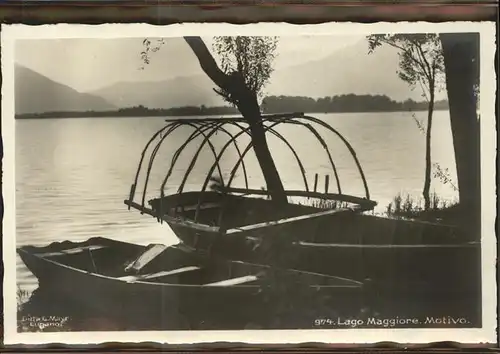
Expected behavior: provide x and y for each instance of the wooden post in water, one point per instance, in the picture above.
(327, 183)
(316, 182)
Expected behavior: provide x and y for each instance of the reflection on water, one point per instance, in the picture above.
(72, 175)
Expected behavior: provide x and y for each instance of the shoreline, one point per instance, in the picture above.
(116, 114)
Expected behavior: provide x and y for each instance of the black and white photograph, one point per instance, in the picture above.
(266, 183)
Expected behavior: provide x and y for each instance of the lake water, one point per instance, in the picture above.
(72, 175)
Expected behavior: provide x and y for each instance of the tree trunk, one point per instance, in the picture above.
(249, 108)
(461, 59)
(428, 166)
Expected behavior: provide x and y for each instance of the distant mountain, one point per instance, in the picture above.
(350, 70)
(35, 93)
(193, 90)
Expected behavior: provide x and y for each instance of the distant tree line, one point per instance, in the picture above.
(137, 111)
(270, 104)
(344, 103)
(178, 111)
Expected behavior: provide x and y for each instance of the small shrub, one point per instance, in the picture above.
(403, 207)
(409, 207)
(22, 296)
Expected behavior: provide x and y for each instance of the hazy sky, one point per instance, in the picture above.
(88, 64)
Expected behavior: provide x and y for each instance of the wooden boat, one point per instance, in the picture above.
(235, 217)
(158, 284)
(320, 231)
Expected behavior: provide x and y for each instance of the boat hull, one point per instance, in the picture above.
(391, 254)
(407, 268)
(142, 306)
(139, 305)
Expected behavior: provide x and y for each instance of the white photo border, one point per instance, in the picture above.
(486, 334)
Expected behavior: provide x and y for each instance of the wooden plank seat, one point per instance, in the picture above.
(151, 252)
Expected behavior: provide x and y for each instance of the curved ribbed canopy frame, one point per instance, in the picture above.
(208, 127)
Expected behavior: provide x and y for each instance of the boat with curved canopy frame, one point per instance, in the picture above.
(205, 217)
(333, 236)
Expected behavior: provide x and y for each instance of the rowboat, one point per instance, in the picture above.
(177, 287)
(235, 218)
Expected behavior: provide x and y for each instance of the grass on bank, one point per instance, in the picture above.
(407, 206)
(22, 296)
